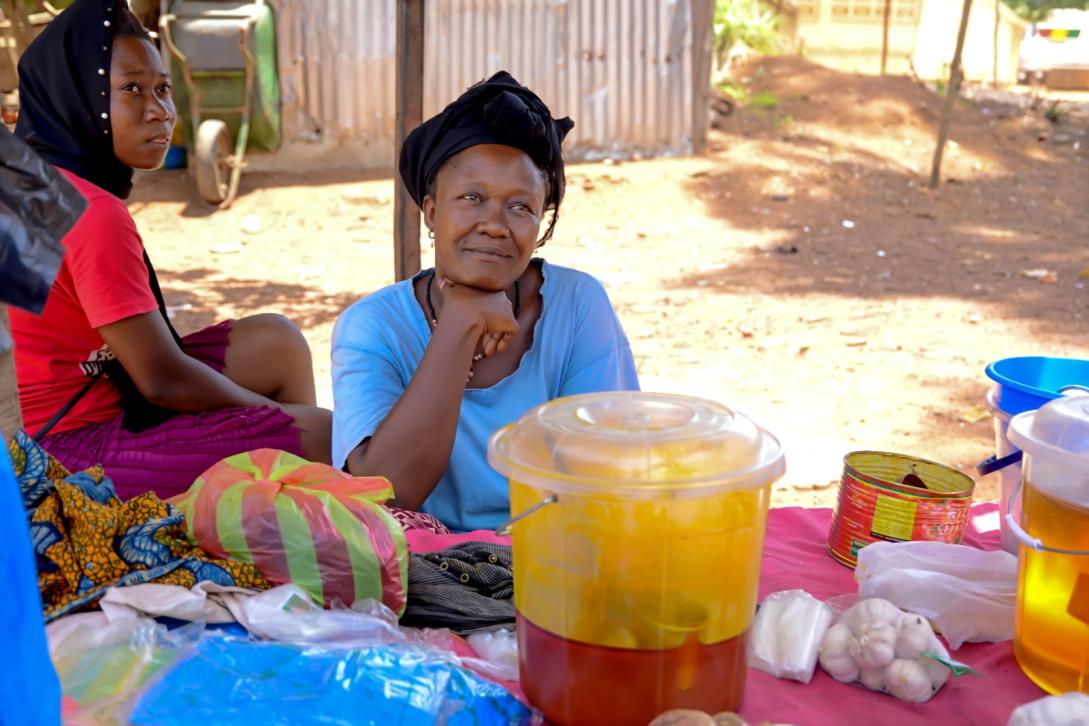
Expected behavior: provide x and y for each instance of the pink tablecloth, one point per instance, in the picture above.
(795, 558)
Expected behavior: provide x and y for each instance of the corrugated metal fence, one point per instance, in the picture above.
(633, 74)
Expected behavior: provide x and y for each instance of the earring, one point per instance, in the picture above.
(431, 234)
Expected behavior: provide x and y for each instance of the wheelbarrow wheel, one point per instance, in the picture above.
(213, 170)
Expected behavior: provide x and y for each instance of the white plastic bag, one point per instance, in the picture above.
(968, 594)
(786, 634)
(1069, 709)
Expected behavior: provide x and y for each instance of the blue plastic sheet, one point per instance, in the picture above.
(29, 690)
(227, 680)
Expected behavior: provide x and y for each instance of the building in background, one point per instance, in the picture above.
(633, 74)
(1056, 52)
(847, 35)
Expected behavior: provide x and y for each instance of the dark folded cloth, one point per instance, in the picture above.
(467, 587)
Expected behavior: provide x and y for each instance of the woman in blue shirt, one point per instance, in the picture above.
(426, 370)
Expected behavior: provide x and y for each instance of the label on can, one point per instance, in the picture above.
(856, 545)
(893, 519)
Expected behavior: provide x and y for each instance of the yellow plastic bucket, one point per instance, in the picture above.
(1051, 634)
(639, 527)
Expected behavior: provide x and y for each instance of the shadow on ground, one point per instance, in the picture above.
(208, 293)
(854, 220)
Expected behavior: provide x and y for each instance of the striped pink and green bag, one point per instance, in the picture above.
(300, 522)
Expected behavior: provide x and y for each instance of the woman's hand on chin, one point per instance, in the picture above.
(488, 312)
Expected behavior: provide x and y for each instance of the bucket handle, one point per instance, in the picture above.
(1025, 538)
(992, 463)
(504, 529)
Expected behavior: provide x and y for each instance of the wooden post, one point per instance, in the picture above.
(885, 37)
(703, 50)
(951, 92)
(410, 70)
(11, 419)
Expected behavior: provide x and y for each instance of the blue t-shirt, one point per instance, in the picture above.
(578, 347)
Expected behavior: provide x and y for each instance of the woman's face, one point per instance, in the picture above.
(142, 113)
(486, 215)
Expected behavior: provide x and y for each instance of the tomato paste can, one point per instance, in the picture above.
(897, 498)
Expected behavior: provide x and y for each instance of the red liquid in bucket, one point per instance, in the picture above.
(575, 683)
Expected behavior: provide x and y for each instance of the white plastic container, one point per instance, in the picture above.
(1009, 476)
(1051, 640)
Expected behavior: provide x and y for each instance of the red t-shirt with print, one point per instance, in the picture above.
(102, 280)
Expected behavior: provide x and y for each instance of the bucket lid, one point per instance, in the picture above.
(1059, 431)
(1027, 382)
(635, 442)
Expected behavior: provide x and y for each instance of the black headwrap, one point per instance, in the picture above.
(64, 95)
(64, 106)
(499, 110)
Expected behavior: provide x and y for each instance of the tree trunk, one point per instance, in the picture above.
(18, 24)
(951, 92)
(885, 37)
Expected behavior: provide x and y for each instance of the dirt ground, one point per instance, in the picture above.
(799, 270)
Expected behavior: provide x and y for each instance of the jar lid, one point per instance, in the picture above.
(1058, 430)
(635, 441)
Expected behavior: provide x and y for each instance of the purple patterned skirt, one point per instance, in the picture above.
(167, 459)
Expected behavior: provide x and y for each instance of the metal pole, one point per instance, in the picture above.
(885, 37)
(410, 70)
(951, 92)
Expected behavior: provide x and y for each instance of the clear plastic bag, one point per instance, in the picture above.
(969, 595)
(787, 633)
(328, 666)
(499, 648)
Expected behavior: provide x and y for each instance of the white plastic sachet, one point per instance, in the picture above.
(787, 633)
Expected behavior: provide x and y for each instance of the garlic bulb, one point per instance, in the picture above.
(873, 610)
(877, 644)
(908, 681)
(1069, 709)
(834, 654)
(873, 678)
(914, 637)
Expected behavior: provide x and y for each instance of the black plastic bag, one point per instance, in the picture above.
(38, 206)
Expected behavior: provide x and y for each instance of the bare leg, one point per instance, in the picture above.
(315, 429)
(268, 354)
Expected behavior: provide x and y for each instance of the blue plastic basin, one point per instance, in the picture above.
(1028, 382)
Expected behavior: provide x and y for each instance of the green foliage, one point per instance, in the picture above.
(751, 22)
(764, 99)
(734, 90)
(1055, 113)
(1037, 10)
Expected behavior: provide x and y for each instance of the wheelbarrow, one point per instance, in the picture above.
(229, 97)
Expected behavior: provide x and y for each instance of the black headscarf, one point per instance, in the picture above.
(499, 110)
(64, 95)
(64, 106)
